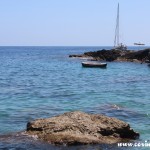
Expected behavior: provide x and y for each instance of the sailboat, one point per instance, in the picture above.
(117, 44)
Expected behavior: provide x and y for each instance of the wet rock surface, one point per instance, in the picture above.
(116, 55)
(23, 142)
(75, 128)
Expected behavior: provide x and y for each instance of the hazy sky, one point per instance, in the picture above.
(73, 22)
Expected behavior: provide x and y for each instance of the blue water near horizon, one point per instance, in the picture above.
(41, 82)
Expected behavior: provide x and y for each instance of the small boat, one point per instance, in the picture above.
(94, 64)
(147, 61)
(139, 43)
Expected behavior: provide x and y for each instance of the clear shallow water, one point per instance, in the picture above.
(40, 82)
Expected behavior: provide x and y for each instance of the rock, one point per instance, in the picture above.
(107, 55)
(81, 128)
(137, 55)
(75, 55)
(117, 55)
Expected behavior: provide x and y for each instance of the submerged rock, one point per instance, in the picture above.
(81, 128)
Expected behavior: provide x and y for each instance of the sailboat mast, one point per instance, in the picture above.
(118, 25)
(116, 41)
(117, 44)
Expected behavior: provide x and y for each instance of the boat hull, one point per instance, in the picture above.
(147, 61)
(94, 65)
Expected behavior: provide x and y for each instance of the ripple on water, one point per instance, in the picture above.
(39, 82)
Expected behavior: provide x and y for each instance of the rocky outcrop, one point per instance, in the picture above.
(139, 55)
(77, 55)
(81, 128)
(117, 55)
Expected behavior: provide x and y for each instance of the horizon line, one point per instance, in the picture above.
(68, 46)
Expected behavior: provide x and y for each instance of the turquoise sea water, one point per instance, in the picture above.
(40, 82)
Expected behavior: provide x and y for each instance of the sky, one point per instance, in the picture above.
(73, 22)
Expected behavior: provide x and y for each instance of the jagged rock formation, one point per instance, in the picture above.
(117, 55)
(81, 128)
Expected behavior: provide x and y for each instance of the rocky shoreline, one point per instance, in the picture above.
(75, 128)
(116, 55)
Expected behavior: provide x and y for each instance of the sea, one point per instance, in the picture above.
(41, 82)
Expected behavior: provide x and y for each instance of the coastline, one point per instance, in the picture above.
(115, 55)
